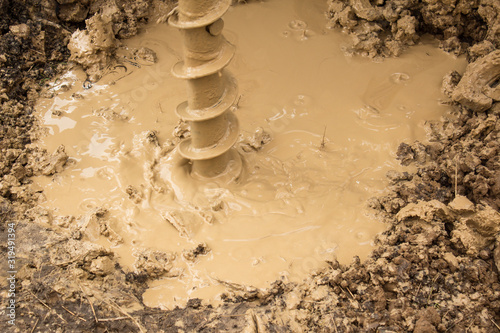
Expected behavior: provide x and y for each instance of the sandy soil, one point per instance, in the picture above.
(434, 270)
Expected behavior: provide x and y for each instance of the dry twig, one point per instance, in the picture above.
(323, 143)
(113, 319)
(48, 307)
(37, 320)
(39, 300)
(54, 25)
(334, 325)
(432, 287)
(454, 323)
(237, 104)
(349, 290)
(73, 313)
(88, 300)
(116, 306)
(494, 323)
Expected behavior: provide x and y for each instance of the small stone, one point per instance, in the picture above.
(102, 266)
(64, 221)
(154, 264)
(320, 293)
(146, 54)
(134, 194)
(423, 326)
(260, 138)
(480, 50)
(425, 210)
(395, 176)
(20, 30)
(428, 318)
(450, 82)
(474, 90)
(18, 171)
(55, 162)
(451, 260)
(292, 301)
(192, 254)
(461, 205)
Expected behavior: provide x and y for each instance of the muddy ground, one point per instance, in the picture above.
(436, 268)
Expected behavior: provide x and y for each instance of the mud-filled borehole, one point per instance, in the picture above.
(334, 124)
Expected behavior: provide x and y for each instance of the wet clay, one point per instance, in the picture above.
(319, 131)
(387, 28)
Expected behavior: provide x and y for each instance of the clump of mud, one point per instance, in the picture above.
(387, 28)
(434, 270)
(94, 48)
(462, 156)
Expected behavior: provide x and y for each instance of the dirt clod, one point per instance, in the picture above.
(477, 89)
(387, 28)
(154, 264)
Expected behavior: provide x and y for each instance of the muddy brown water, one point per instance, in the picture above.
(335, 124)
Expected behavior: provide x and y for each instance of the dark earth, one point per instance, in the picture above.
(436, 268)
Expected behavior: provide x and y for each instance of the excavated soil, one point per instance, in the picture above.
(434, 270)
